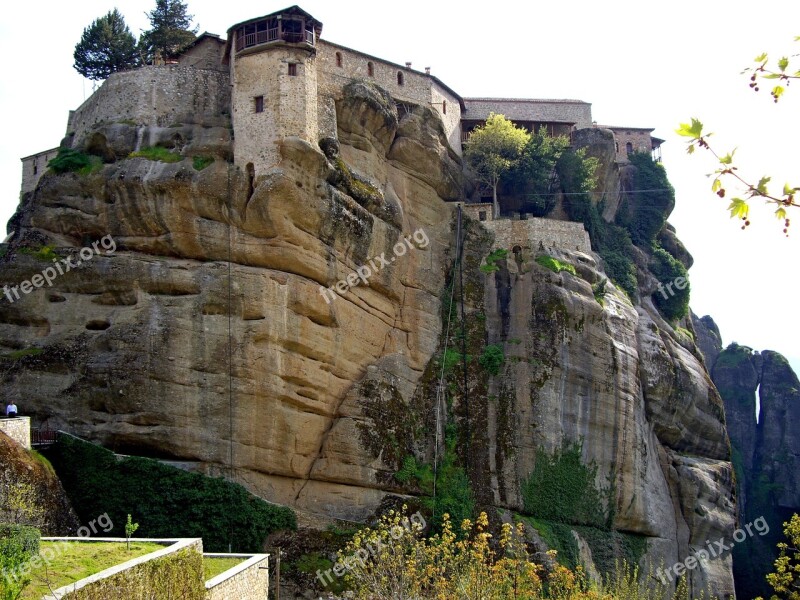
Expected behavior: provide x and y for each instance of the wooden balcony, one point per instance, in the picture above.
(247, 37)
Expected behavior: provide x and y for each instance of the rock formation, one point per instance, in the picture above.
(204, 336)
(762, 400)
(30, 492)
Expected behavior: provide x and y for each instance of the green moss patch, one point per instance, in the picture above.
(201, 162)
(157, 153)
(73, 161)
(555, 265)
(562, 488)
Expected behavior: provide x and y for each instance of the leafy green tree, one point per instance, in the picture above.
(171, 30)
(535, 171)
(780, 73)
(494, 149)
(106, 46)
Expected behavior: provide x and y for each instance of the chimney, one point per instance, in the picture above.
(408, 65)
(427, 70)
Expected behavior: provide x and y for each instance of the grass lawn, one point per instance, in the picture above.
(76, 560)
(214, 566)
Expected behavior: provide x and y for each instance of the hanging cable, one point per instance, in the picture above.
(440, 385)
(230, 356)
(463, 334)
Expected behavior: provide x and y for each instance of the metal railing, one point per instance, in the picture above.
(43, 437)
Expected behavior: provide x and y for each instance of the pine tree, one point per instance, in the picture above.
(106, 46)
(171, 30)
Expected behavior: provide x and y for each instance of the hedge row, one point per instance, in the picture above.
(165, 501)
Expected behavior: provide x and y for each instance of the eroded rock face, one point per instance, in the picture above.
(209, 335)
(31, 494)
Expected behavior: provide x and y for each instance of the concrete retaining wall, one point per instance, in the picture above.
(18, 429)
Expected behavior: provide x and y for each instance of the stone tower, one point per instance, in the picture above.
(272, 62)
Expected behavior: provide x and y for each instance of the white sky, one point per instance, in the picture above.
(642, 64)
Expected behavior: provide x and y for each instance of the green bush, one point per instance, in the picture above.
(158, 153)
(645, 213)
(558, 537)
(673, 303)
(612, 242)
(555, 265)
(68, 160)
(201, 162)
(453, 491)
(24, 537)
(167, 502)
(492, 359)
(562, 488)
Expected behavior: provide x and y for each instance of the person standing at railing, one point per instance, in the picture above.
(11, 409)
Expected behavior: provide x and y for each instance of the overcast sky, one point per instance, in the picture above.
(642, 64)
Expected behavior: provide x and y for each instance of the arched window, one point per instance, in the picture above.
(399, 78)
(370, 69)
(628, 148)
(339, 59)
(444, 107)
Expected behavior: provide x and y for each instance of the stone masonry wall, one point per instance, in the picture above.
(418, 88)
(564, 235)
(518, 109)
(640, 141)
(205, 54)
(246, 581)
(34, 166)
(18, 429)
(290, 103)
(157, 96)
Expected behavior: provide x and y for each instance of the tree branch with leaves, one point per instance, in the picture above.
(727, 172)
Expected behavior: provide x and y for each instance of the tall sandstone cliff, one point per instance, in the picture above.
(761, 393)
(204, 336)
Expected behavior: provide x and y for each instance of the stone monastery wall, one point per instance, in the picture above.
(417, 88)
(564, 235)
(157, 96)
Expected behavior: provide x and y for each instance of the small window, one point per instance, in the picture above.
(628, 148)
(444, 107)
(370, 69)
(292, 69)
(35, 168)
(259, 102)
(399, 78)
(482, 215)
(339, 59)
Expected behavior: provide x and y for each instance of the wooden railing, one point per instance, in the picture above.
(249, 40)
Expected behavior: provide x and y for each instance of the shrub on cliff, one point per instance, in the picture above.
(167, 502)
(670, 300)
